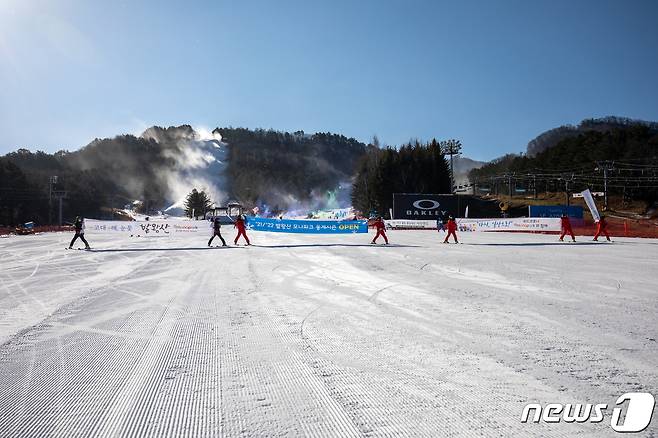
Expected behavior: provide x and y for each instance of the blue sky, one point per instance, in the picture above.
(492, 73)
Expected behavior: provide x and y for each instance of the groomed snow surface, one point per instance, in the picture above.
(310, 335)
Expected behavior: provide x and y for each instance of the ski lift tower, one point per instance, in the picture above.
(451, 147)
(57, 194)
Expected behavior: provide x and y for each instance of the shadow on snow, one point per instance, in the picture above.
(347, 245)
(305, 245)
(162, 249)
(537, 244)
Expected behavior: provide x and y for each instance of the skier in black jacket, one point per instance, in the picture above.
(216, 232)
(79, 232)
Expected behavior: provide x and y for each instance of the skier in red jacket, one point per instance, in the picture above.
(452, 229)
(566, 228)
(602, 228)
(240, 225)
(381, 230)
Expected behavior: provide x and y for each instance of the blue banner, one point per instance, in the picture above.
(306, 226)
(574, 211)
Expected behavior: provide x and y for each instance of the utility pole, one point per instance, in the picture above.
(368, 195)
(509, 185)
(605, 188)
(566, 190)
(605, 166)
(534, 186)
(51, 183)
(60, 209)
(60, 195)
(451, 147)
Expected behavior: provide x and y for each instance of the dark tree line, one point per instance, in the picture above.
(636, 144)
(414, 168)
(264, 167)
(105, 174)
(552, 137)
(273, 168)
(25, 191)
(18, 197)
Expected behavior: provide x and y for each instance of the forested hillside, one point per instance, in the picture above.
(628, 155)
(280, 171)
(163, 164)
(552, 137)
(413, 168)
(284, 170)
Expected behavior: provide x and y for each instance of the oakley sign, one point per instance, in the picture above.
(429, 206)
(433, 204)
(415, 206)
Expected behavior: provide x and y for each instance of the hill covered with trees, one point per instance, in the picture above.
(287, 170)
(282, 171)
(552, 137)
(413, 168)
(161, 166)
(625, 156)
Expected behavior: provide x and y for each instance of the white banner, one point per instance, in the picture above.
(465, 224)
(408, 224)
(159, 228)
(589, 200)
(511, 224)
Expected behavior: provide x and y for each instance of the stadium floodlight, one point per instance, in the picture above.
(451, 147)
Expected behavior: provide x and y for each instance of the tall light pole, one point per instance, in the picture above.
(451, 147)
(566, 189)
(52, 181)
(605, 166)
(59, 195)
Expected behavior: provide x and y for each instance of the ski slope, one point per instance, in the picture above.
(309, 335)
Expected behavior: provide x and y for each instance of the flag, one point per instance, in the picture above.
(589, 200)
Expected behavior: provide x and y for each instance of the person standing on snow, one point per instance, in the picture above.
(566, 228)
(79, 232)
(381, 230)
(216, 226)
(439, 225)
(240, 225)
(602, 228)
(452, 230)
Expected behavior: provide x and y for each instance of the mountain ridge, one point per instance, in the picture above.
(552, 137)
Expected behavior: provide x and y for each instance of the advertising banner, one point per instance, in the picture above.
(589, 200)
(159, 228)
(418, 206)
(573, 211)
(307, 226)
(421, 206)
(408, 224)
(513, 224)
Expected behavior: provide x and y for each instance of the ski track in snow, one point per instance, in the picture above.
(413, 339)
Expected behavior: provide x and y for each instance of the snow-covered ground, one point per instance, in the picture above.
(321, 335)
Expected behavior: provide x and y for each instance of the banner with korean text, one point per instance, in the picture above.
(306, 226)
(511, 224)
(155, 228)
(408, 224)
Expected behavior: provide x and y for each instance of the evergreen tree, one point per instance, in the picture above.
(414, 168)
(197, 203)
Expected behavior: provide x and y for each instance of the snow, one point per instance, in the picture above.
(321, 335)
